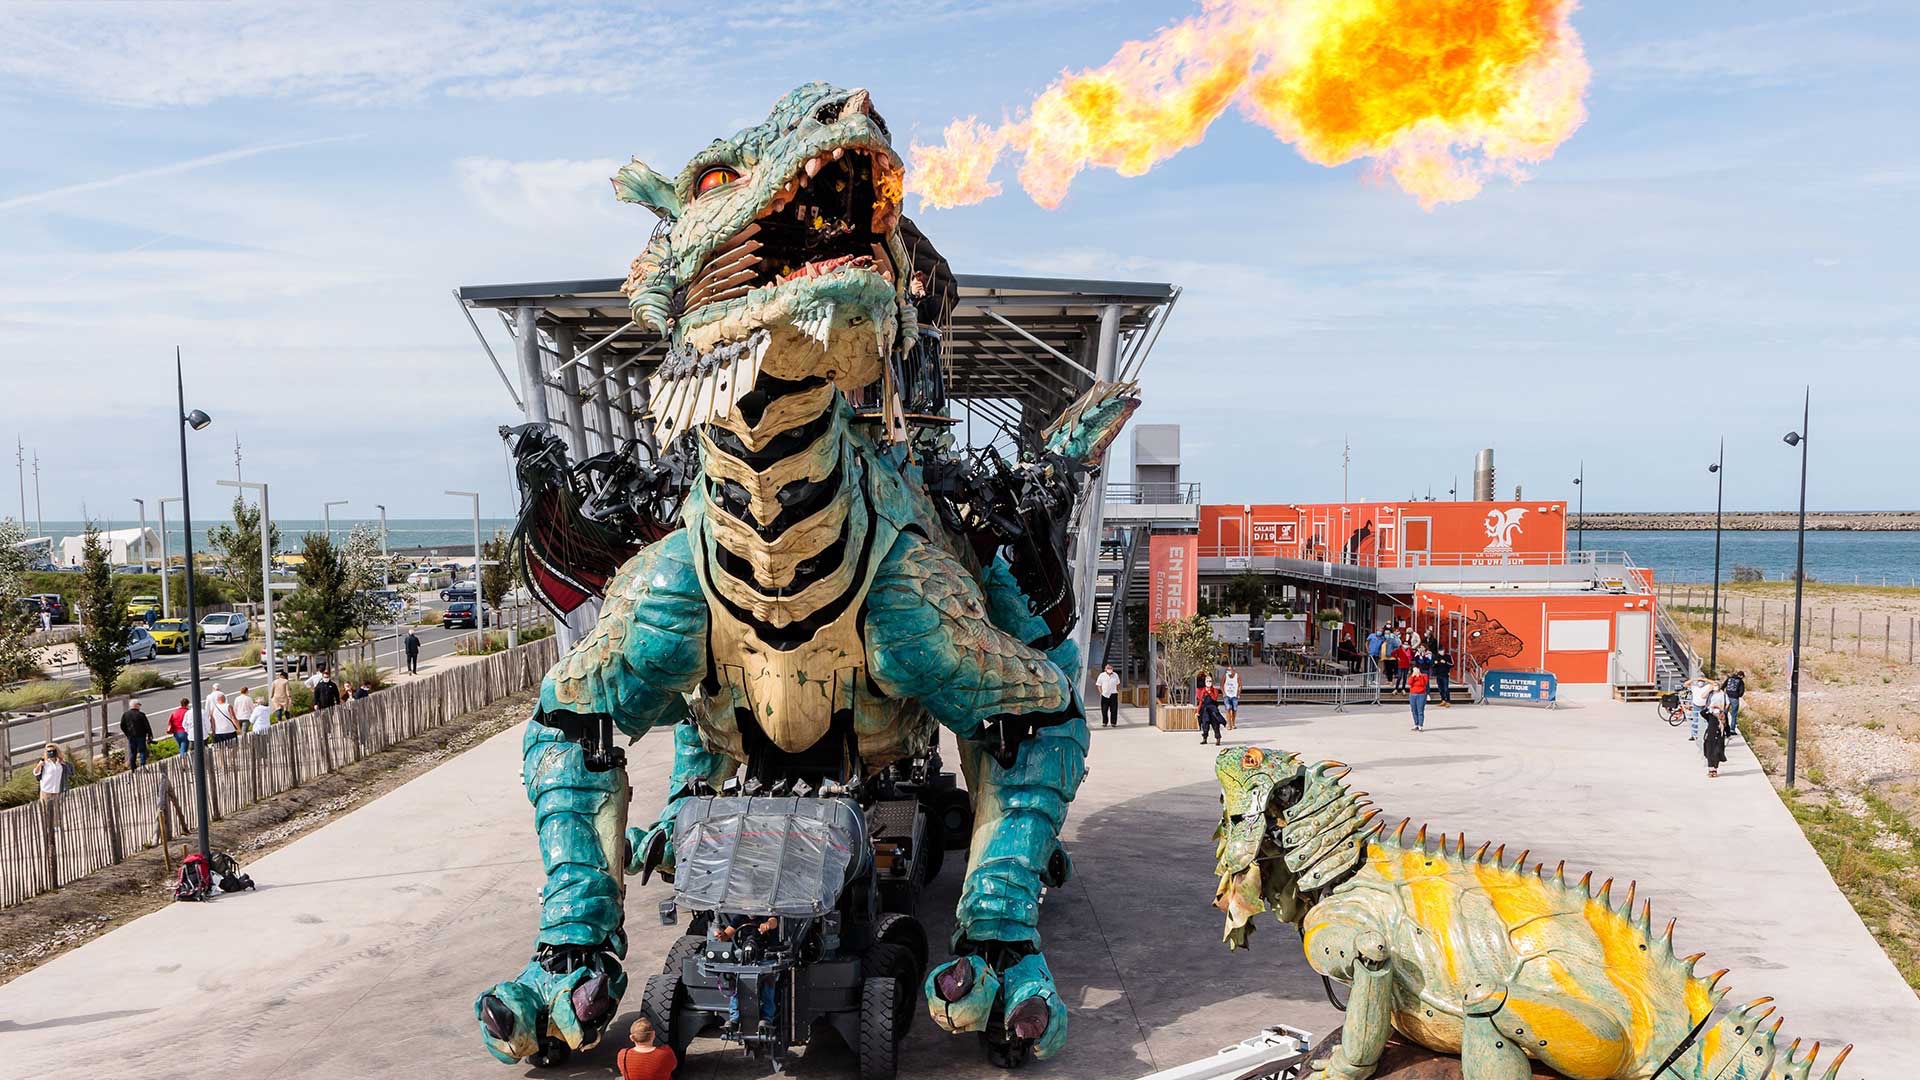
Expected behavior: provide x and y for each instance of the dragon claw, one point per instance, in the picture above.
(965, 993)
(961, 994)
(548, 1013)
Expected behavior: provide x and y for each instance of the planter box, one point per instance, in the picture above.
(1179, 718)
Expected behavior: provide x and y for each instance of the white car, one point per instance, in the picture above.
(225, 626)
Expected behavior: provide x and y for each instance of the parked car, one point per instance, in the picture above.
(54, 605)
(290, 662)
(225, 626)
(31, 609)
(461, 591)
(140, 645)
(170, 635)
(459, 615)
(142, 607)
(426, 577)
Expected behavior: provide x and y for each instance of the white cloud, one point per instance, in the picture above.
(195, 53)
(542, 194)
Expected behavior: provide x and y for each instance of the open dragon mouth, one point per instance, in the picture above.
(834, 214)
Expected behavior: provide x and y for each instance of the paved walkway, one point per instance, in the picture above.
(362, 952)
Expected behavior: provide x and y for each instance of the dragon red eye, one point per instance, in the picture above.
(713, 178)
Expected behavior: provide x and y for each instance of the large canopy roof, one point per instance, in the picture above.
(1028, 343)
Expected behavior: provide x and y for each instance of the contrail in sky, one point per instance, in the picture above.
(175, 168)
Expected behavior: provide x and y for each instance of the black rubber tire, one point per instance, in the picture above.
(684, 948)
(904, 930)
(879, 1049)
(660, 1004)
(932, 854)
(955, 810)
(896, 962)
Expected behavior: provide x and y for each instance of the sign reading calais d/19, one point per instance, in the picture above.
(1173, 579)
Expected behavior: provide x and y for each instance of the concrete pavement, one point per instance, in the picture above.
(362, 952)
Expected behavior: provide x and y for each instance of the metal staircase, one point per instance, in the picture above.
(1122, 576)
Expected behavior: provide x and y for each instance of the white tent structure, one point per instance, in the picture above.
(123, 547)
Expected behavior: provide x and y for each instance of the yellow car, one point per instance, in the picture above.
(139, 607)
(170, 635)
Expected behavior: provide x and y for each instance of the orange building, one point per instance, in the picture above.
(1388, 533)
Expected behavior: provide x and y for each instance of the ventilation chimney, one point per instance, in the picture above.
(1483, 475)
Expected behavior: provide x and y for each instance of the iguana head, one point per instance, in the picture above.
(1286, 829)
(780, 245)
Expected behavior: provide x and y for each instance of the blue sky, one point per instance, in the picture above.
(290, 193)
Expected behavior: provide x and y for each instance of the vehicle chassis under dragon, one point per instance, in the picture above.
(808, 580)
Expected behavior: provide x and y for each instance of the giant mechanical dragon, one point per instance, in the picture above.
(801, 574)
(1467, 953)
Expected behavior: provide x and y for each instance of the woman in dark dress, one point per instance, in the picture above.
(1207, 702)
(1714, 743)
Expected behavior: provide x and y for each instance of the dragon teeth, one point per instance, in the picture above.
(813, 167)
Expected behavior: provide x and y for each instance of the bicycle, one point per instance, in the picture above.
(1671, 709)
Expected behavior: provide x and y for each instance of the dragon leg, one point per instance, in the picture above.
(1369, 1021)
(1023, 745)
(630, 672)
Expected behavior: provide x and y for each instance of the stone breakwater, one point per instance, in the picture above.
(1826, 520)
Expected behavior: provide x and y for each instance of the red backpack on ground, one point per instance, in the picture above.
(196, 878)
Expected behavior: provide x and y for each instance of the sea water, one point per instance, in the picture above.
(1871, 558)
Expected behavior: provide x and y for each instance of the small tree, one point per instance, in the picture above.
(18, 660)
(239, 547)
(496, 576)
(320, 613)
(1247, 591)
(103, 643)
(1187, 650)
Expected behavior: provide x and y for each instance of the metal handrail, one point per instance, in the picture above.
(1183, 492)
(1675, 639)
(1392, 560)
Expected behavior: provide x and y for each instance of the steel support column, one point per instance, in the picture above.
(570, 392)
(602, 412)
(533, 379)
(1092, 515)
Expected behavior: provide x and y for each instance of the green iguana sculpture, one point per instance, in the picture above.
(817, 615)
(1468, 953)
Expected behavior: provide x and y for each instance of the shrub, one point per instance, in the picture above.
(134, 680)
(494, 641)
(355, 672)
(428, 617)
(543, 629)
(249, 657)
(38, 694)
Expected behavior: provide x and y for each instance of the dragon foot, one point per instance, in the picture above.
(561, 1002)
(1017, 1011)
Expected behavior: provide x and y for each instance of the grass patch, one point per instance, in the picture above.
(1873, 854)
(249, 657)
(39, 694)
(428, 617)
(134, 680)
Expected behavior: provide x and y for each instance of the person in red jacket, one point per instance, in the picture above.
(1417, 698)
(177, 726)
(1403, 663)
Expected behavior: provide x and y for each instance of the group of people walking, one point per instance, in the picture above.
(223, 718)
(1396, 653)
(1716, 708)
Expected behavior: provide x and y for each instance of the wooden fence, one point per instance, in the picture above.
(1882, 634)
(47, 844)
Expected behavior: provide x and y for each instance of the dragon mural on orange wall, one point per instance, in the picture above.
(1487, 639)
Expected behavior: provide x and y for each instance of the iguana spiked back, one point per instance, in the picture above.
(1473, 952)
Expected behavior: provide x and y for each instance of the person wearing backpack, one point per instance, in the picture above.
(1735, 688)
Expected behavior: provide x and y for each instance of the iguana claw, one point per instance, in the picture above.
(651, 849)
(542, 1009)
(962, 995)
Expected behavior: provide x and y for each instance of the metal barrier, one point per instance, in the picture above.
(1183, 492)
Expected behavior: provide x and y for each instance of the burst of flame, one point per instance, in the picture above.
(1440, 95)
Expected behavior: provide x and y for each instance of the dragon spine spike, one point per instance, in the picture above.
(1481, 855)
(1586, 882)
(1627, 904)
(1421, 837)
(1645, 922)
(1521, 860)
(1560, 873)
(1605, 893)
(1500, 856)
(1667, 934)
(1463, 843)
(1833, 1070)
(1692, 960)
(1400, 834)
(1713, 980)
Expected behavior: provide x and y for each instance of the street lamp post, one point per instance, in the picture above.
(1719, 502)
(266, 567)
(1580, 487)
(142, 504)
(202, 729)
(1799, 439)
(479, 604)
(386, 561)
(166, 560)
(326, 511)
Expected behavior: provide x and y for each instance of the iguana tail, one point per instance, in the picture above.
(1741, 1047)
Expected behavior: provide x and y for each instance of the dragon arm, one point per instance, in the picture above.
(1369, 1020)
(631, 672)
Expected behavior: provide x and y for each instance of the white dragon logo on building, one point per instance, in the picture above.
(1501, 525)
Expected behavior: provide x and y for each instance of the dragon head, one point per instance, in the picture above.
(780, 241)
(1286, 829)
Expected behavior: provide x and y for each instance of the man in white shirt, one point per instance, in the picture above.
(1108, 683)
(1717, 706)
(1230, 692)
(220, 714)
(1699, 694)
(242, 707)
